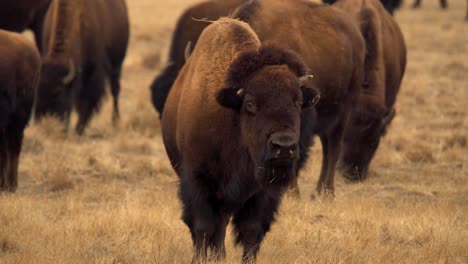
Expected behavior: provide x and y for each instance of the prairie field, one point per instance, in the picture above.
(111, 195)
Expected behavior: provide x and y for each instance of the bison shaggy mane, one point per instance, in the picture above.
(249, 62)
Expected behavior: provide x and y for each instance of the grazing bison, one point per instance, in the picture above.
(231, 128)
(390, 5)
(332, 47)
(187, 31)
(443, 4)
(385, 64)
(18, 15)
(85, 41)
(19, 75)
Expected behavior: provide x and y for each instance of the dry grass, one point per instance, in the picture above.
(110, 197)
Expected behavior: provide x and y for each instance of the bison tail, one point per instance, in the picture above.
(161, 86)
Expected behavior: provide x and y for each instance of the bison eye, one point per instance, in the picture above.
(300, 103)
(250, 107)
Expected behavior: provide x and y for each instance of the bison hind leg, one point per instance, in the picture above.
(115, 90)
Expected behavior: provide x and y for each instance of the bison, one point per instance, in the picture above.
(19, 76)
(85, 41)
(385, 64)
(390, 5)
(443, 4)
(333, 48)
(18, 15)
(187, 31)
(231, 128)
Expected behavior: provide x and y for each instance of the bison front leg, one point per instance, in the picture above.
(305, 142)
(89, 96)
(417, 3)
(466, 16)
(207, 226)
(252, 222)
(4, 161)
(331, 147)
(443, 4)
(15, 139)
(208, 233)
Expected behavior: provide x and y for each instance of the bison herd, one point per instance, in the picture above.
(240, 100)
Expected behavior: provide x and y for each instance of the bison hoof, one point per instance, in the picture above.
(323, 196)
(293, 193)
(354, 174)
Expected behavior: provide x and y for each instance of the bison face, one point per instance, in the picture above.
(361, 140)
(53, 98)
(269, 107)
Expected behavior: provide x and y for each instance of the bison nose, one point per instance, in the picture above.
(283, 146)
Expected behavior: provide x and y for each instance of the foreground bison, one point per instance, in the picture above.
(331, 45)
(19, 75)
(385, 65)
(231, 128)
(85, 41)
(187, 31)
(18, 15)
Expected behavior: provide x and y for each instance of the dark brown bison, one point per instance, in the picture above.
(390, 5)
(85, 41)
(19, 75)
(231, 128)
(443, 4)
(385, 65)
(18, 15)
(333, 48)
(185, 37)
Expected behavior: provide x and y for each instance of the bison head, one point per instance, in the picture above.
(53, 96)
(268, 89)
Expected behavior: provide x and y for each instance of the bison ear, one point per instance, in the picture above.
(230, 98)
(309, 93)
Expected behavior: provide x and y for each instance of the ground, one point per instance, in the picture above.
(111, 195)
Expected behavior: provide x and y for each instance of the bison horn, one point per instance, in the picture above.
(71, 73)
(240, 92)
(188, 50)
(305, 81)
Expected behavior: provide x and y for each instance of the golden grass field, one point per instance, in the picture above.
(111, 196)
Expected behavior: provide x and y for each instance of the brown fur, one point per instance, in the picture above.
(231, 130)
(188, 29)
(90, 37)
(384, 69)
(19, 74)
(332, 47)
(18, 15)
